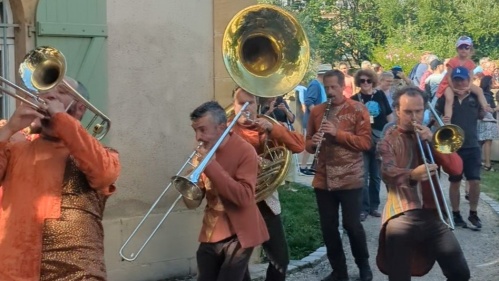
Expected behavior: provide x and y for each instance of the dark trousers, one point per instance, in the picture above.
(276, 248)
(223, 261)
(328, 203)
(418, 229)
(372, 181)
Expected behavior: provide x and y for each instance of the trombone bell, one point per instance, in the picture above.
(187, 186)
(42, 69)
(448, 139)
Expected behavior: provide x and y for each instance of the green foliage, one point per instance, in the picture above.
(355, 30)
(393, 53)
(300, 219)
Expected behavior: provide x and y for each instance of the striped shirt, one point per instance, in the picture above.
(399, 155)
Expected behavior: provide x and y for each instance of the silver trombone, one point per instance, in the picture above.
(43, 69)
(446, 139)
(186, 184)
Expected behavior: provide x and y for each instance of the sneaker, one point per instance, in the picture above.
(363, 216)
(475, 221)
(334, 276)
(459, 222)
(365, 272)
(306, 172)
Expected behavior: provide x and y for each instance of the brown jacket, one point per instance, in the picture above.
(233, 177)
(340, 163)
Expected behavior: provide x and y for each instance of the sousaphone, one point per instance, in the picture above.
(273, 164)
(266, 52)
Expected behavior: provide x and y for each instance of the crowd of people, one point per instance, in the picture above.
(398, 107)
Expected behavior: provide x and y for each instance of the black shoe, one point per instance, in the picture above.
(306, 172)
(365, 273)
(375, 213)
(458, 221)
(335, 276)
(363, 216)
(475, 221)
(467, 196)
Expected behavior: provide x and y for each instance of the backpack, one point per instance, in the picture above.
(412, 74)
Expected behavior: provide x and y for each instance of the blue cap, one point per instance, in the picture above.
(397, 68)
(460, 72)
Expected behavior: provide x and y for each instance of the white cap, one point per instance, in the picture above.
(464, 40)
(323, 68)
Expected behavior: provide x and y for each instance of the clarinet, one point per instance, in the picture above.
(318, 147)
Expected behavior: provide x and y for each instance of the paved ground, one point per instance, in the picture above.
(481, 248)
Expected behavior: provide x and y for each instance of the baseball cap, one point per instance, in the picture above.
(460, 72)
(397, 68)
(435, 63)
(323, 68)
(464, 40)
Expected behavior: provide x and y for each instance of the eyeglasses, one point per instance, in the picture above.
(368, 81)
(464, 47)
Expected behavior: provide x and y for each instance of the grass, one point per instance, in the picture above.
(301, 219)
(490, 184)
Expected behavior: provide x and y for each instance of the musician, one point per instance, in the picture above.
(55, 189)
(256, 131)
(470, 111)
(339, 177)
(232, 225)
(413, 237)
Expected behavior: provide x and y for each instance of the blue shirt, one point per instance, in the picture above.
(315, 94)
(301, 93)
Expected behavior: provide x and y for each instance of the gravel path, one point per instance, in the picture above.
(481, 249)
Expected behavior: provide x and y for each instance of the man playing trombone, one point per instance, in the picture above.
(257, 132)
(232, 225)
(55, 189)
(413, 236)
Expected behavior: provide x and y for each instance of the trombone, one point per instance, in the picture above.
(43, 69)
(266, 52)
(186, 185)
(446, 139)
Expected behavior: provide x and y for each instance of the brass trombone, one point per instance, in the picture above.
(43, 69)
(186, 185)
(446, 139)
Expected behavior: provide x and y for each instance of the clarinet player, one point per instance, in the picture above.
(342, 127)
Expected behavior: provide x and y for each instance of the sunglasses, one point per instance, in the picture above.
(368, 81)
(464, 47)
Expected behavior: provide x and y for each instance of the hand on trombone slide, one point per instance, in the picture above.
(419, 173)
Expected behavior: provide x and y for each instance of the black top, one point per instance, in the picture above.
(277, 114)
(465, 114)
(378, 106)
(489, 96)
